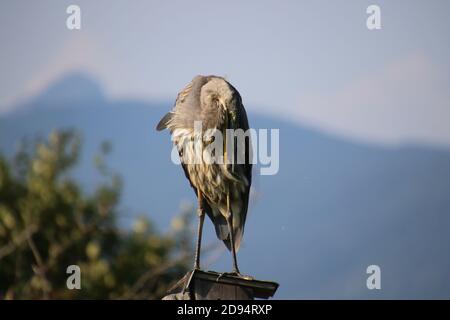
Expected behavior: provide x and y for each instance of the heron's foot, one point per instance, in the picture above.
(240, 275)
(234, 274)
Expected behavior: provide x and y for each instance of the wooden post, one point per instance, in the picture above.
(210, 285)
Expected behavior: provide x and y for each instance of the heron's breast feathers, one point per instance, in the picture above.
(214, 180)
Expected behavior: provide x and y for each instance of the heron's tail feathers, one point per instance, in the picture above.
(237, 240)
(219, 223)
(222, 232)
(238, 233)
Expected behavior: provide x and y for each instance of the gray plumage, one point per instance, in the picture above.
(218, 105)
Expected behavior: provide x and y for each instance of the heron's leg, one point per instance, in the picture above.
(229, 219)
(201, 216)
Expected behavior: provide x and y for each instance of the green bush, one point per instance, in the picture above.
(48, 222)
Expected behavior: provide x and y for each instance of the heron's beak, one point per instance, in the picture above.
(224, 105)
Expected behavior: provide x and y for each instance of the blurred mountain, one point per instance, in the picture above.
(334, 208)
(72, 90)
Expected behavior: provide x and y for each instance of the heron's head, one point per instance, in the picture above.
(218, 96)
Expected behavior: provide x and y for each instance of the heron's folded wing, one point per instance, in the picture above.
(164, 121)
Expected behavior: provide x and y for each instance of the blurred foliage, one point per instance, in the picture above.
(48, 222)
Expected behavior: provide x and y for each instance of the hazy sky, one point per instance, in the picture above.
(313, 62)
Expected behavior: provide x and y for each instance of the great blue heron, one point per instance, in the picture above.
(222, 189)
